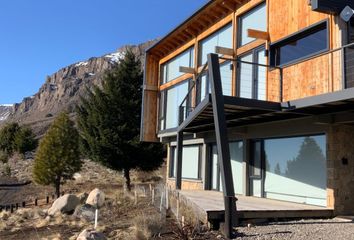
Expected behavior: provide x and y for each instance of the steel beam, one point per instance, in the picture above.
(179, 150)
(222, 144)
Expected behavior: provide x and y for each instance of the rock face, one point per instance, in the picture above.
(96, 198)
(89, 234)
(62, 90)
(5, 111)
(64, 204)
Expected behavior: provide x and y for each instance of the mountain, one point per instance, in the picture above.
(5, 111)
(61, 91)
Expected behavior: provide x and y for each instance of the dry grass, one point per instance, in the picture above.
(148, 226)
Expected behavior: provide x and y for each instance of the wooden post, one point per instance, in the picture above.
(135, 197)
(153, 196)
(35, 202)
(167, 205)
(47, 199)
(23, 204)
(16, 206)
(12, 208)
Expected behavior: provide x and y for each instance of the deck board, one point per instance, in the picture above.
(252, 207)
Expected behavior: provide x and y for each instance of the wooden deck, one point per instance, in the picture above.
(209, 206)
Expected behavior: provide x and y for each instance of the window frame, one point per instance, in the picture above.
(297, 36)
(172, 162)
(211, 35)
(254, 52)
(239, 24)
(164, 105)
(164, 73)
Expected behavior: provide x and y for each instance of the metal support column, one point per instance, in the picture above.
(179, 150)
(222, 144)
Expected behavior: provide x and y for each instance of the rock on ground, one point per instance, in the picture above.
(64, 204)
(83, 197)
(86, 212)
(96, 198)
(89, 234)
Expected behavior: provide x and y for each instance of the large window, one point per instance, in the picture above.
(296, 169)
(301, 45)
(222, 38)
(254, 19)
(170, 100)
(226, 82)
(252, 77)
(190, 162)
(170, 70)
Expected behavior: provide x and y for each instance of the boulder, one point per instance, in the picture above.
(64, 204)
(96, 198)
(86, 212)
(83, 197)
(89, 234)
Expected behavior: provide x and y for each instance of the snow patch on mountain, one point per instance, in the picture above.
(115, 57)
(81, 64)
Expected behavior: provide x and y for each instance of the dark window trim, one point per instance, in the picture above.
(172, 161)
(252, 52)
(296, 36)
(239, 24)
(211, 35)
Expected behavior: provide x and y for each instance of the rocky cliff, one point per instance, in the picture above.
(5, 111)
(62, 90)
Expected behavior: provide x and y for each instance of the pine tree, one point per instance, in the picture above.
(58, 156)
(7, 137)
(25, 140)
(109, 121)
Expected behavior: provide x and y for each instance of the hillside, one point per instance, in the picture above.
(61, 91)
(5, 111)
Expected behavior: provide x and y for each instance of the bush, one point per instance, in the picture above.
(6, 171)
(4, 156)
(7, 137)
(146, 227)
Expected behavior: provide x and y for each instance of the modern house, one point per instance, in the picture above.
(272, 78)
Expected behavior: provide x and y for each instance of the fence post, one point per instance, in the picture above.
(16, 206)
(135, 197)
(167, 205)
(35, 202)
(23, 204)
(153, 196)
(47, 199)
(12, 208)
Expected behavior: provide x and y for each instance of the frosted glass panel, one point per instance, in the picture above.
(171, 69)
(226, 78)
(246, 77)
(222, 38)
(175, 97)
(261, 77)
(296, 169)
(255, 19)
(190, 162)
(236, 156)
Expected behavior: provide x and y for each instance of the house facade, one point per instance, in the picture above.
(286, 72)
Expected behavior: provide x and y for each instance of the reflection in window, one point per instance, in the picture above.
(204, 87)
(296, 169)
(246, 77)
(170, 70)
(255, 19)
(190, 162)
(302, 45)
(174, 97)
(222, 38)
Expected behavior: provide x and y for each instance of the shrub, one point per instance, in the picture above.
(146, 227)
(6, 171)
(7, 137)
(4, 156)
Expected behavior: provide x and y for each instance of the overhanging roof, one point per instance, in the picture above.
(242, 112)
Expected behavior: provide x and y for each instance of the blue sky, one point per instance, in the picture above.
(38, 37)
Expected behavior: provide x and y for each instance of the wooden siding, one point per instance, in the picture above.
(307, 78)
(150, 100)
